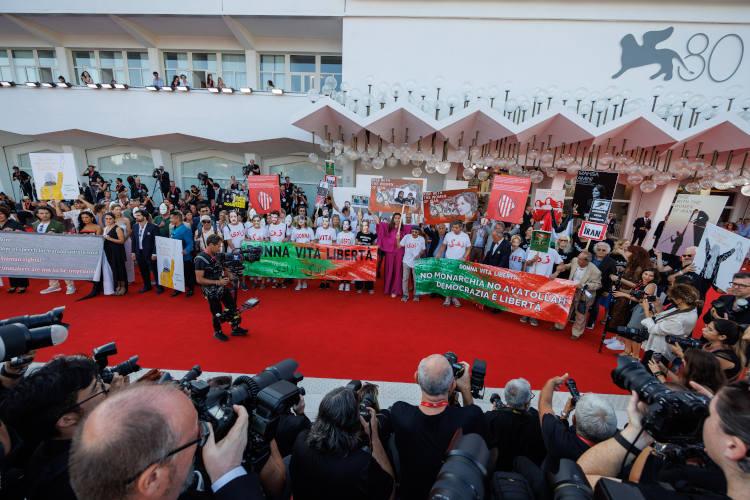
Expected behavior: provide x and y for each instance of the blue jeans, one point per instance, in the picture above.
(605, 300)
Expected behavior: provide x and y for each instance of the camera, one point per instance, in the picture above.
(639, 294)
(266, 396)
(184, 382)
(464, 471)
(21, 334)
(101, 355)
(478, 372)
(573, 389)
(671, 416)
(234, 261)
(156, 174)
(634, 334)
(496, 401)
(203, 177)
(368, 400)
(684, 342)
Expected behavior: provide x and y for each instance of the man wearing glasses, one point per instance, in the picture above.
(46, 408)
(687, 275)
(735, 305)
(142, 444)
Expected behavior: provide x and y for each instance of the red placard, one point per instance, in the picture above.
(508, 198)
(264, 193)
(592, 231)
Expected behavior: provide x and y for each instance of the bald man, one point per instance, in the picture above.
(140, 444)
(424, 432)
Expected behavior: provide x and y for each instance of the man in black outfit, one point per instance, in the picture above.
(164, 183)
(641, 227)
(24, 180)
(144, 249)
(607, 267)
(46, 407)
(210, 275)
(514, 429)
(173, 194)
(498, 254)
(735, 305)
(92, 174)
(424, 432)
(659, 229)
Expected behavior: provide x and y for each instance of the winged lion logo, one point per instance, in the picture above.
(635, 56)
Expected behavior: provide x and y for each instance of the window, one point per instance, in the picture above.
(219, 169)
(197, 66)
(303, 174)
(125, 164)
(233, 70)
(106, 66)
(298, 72)
(28, 65)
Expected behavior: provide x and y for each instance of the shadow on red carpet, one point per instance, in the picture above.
(330, 333)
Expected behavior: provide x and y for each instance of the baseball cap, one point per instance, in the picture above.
(205, 218)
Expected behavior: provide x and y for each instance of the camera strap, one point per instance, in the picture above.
(673, 312)
(430, 404)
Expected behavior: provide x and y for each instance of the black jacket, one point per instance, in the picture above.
(500, 257)
(607, 267)
(641, 223)
(149, 240)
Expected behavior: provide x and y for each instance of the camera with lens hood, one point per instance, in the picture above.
(684, 342)
(477, 373)
(635, 334)
(21, 334)
(101, 355)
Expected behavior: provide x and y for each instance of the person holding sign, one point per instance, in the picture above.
(414, 248)
(389, 234)
(541, 263)
(46, 224)
(456, 245)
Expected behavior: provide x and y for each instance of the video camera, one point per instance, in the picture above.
(266, 396)
(635, 334)
(464, 472)
(478, 372)
(156, 174)
(101, 355)
(234, 261)
(672, 416)
(21, 334)
(203, 177)
(684, 342)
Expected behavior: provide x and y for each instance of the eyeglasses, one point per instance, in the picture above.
(104, 390)
(203, 433)
(738, 285)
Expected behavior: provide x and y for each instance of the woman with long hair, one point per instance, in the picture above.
(114, 249)
(302, 234)
(210, 81)
(389, 234)
(699, 366)
(645, 287)
(678, 320)
(87, 225)
(7, 224)
(175, 82)
(365, 237)
(86, 78)
(127, 229)
(722, 336)
(638, 261)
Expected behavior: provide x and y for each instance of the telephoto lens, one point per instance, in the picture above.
(464, 473)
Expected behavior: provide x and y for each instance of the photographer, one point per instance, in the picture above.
(644, 288)
(698, 366)
(514, 429)
(328, 462)
(734, 305)
(24, 180)
(210, 275)
(142, 443)
(721, 337)
(422, 433)
(45, 408)
(594, 421)
(162, 177)
(679, 320)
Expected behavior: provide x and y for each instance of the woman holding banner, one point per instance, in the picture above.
(389, 234)
(365, 237)
(7, 224)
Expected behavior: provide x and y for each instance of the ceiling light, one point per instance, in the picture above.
(246, 90)
(107, 86)
(165, 89)
(93, 85)
(7, 84)
(183, 88)
(121, 86)
(152, 88)
(213, 90)
(32, 84)
(64, 85)
(48, 85)
(276, 91)
(227, 90)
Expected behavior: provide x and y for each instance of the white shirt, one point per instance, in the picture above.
(304, 235)
(456, 245)
(235, 234)
(346, 238)
(325, 236)
(578, 275)
(517, 258)
(277, 232)
(253, 234)
(546, 265)
(42, 227)
(412, 248)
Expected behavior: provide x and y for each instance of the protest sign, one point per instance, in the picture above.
(592, 231)
(548, 203)
(236, 201)
(264, 193)
(360, 201)
(447, 206)
(515, 291)
(720, 255)
(687, 221)
(508, 198)
(540, 241)
(592, 198)
(313, 261)
(391, 195)
(55, 176)
(321, 194)
(52, 256)
(169, 263)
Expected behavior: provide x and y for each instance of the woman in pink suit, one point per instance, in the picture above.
(389, 234)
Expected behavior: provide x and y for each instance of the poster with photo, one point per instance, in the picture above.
(593, 194)
(264, 193)
(548, 203)
(447, 206)
(169, 263)
(690, 215)
(391, 195)
(508, 198)
(360, 201)
(540, 241)
(54, 175)
(720, 255)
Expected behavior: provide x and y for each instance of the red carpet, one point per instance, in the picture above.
(330, 333)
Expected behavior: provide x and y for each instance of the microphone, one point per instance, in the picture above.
(17, 339)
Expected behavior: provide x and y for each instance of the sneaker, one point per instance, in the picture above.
(404, 299)
(359, 291)
(372, 292)
(51, 289)
(447, 302)
(220, 336)
(456, 302)
(341, 287)
(304, 284)
(616, 346)
(347, 287)
(298, 287)
(70, 291)
(523, 319)
(610, 340)
(416, 299)
(533, 322)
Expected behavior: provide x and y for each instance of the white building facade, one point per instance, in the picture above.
(424, 87)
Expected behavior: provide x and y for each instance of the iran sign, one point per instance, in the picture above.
(592, 231)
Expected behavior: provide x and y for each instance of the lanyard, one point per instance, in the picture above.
(430, 404)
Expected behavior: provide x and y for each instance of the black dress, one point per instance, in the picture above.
(12, 225)
(115, 253)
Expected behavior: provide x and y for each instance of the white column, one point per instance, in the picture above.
(251, 67)
(155, 61)
(558, 181)
(81, 161)
(64, 65)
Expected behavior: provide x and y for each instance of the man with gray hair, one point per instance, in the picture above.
(514, 429)
(424, 432)
(594, 421)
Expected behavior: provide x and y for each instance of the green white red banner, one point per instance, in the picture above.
(521, 293)
(313, 261)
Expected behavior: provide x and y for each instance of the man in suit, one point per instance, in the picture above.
(46, 224)
(144, 250)
(498, 254)
(641, 227)
(588, 280)
(159, 466)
